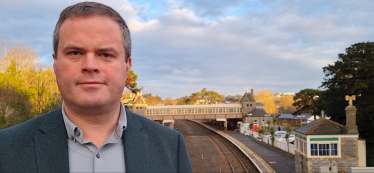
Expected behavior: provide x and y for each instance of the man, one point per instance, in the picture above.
(92, 131)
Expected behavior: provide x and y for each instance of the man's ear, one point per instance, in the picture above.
(128, 66)
(54, 60)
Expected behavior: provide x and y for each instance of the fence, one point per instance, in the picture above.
(279, 144)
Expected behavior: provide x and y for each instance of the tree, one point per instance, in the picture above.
(234, 98)
(268, 99)
(203, 97)
(170, 101)
(213, 97)
(274, 121)
(288, 130)
(268, 122)
(183, 100)
(272, 133)
(286, 102)
(195, 98)
(131, 83)
(19, 55)
(352, 74)
(20, 70)
(207, 97)
(305, 101)
(261, 132)
(152, 100)
(251, 125)
(15, 107)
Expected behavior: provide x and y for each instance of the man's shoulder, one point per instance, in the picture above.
(27, 128)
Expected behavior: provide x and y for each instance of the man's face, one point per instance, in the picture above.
(90, 65)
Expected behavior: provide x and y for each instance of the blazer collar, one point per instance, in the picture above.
(51, 144)
(136, 145)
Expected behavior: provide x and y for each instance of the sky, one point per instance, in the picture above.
(183, 46)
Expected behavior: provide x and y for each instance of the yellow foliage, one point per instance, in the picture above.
(19, 68)
(170, 101)
(286, 100)
(268, 99)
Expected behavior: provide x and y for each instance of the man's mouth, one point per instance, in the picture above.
(91, 83)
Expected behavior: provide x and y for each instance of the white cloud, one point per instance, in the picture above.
(193, 72)
(164, 67)
(186, 71)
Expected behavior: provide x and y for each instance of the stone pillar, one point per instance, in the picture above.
(224, 123)
(351, 119)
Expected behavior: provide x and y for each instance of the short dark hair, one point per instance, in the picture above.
(84, 9)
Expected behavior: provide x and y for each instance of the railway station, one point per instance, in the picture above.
(228, 115)
(256, 156)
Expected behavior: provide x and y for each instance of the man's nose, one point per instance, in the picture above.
(90, 64)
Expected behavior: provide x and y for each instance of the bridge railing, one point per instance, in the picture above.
(193, 116)
(193, 109)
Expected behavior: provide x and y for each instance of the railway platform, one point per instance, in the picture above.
(266, 158)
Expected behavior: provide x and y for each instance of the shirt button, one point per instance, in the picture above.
(98, 155)
(78, 133)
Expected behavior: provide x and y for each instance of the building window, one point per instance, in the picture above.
(334, 149)
(255, 122)
(324, 149)
(313, 149)
(251, 105)
(248, 105)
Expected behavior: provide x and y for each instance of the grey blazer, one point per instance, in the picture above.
(40, 145)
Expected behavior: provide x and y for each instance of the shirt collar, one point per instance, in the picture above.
(73, 130)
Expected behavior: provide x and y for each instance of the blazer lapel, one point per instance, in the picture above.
(136, 145)
(51, 144)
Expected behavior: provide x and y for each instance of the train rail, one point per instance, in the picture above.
(231, 158)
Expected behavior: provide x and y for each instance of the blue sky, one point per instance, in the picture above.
(182, 46)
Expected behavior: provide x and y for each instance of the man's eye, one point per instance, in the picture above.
(74, 53)
(105, 55)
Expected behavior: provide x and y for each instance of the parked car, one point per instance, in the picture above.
(277, 133)
(282, 137)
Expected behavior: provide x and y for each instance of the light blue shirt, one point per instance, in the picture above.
(84, 156)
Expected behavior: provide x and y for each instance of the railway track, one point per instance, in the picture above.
(231, 158)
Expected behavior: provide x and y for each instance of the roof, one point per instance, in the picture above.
(195, 106)
(303, 116)
(285, 116)
(258, 113)
(247, 97)
(139, 100)
(322, 126)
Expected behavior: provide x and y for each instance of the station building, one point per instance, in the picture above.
(324, 145)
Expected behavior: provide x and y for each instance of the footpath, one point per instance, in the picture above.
(266, 158)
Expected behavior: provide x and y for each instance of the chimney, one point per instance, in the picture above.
(350, 111)
(252, 92)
